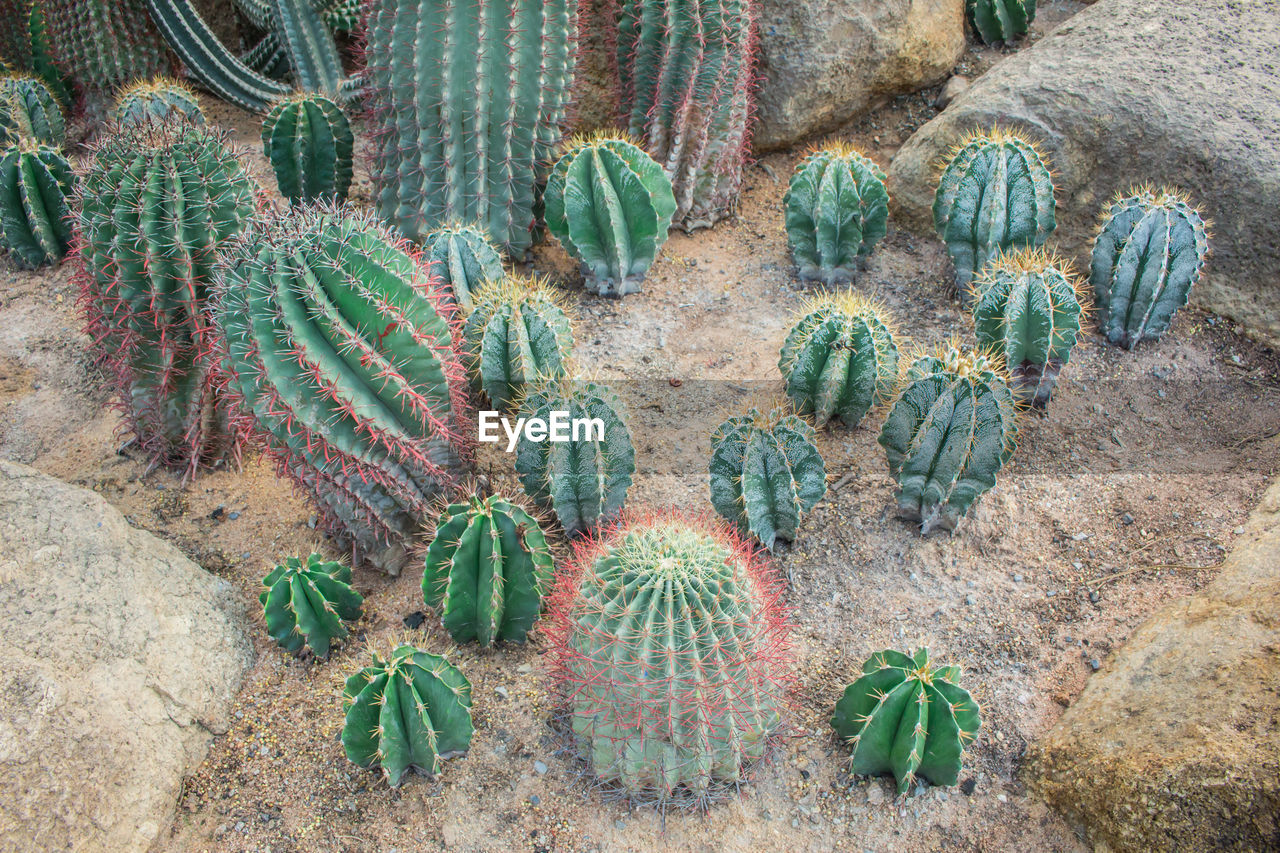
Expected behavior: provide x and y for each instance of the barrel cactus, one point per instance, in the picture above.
(949, 432)
(995, 194)
(840, 359)
(837, 209)
(28, 110)
(670, 651)
(105, 44)
(907, 717)
(765, 473)
(1148, 255)
(464, 259)
(610, 206)
(35, 222)
(487, 568)
(308, 140)
(407, 711)
(309, 602)
(158, 99)
(997, 21)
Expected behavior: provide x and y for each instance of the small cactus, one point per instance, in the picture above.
(1000, 21)
(907, 717)
(837, 209)
(464, 259)
(309, 602)
(35, 221)
(28, 110)
(158, 100)
(308, 140)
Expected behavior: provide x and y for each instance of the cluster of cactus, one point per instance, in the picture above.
(105, 44)
(28, 110)
(158, 99)
(907, 717)
(462, 257)
(670, 645)
(610, 206)
(24, 45)
(309, 603)
(309, 143)
(336, 347)
(837, 209)
(997, 21)
(35, 220)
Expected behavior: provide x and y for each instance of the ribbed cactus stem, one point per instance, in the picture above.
(28, 110)
(837, 209)
(997, 21)
(156, 100)
(309, 142)
(309, 602)
(463, 257)
(105, 44)
(35, 221)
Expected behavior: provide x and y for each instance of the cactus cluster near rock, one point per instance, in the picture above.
(36, 183)
(309, 602)
(837, 209)
(156, 100)
(997, 21)
(464, 259)
(309, 143)
(28, 110)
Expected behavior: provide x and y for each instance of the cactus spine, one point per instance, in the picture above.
(464, 259)
(158, 99)
(308, 140)
(837, 209)
(998, 21)
(35, 222)
(309, 603)
(28, 110)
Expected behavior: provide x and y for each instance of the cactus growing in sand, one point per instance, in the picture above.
(309, 142)
(837, 209)
(35, 222)
(158, 99)
(464, 259)
(309, 603)
(28, 110)
(998, 21)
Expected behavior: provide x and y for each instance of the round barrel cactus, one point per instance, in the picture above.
(35, 222)
(309, 142)
(837, 209)
(28, 110)
(158, 99)
(463, 257)
(309, 603)
(997, 21)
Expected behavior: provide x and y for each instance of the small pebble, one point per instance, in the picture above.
(967, 786)
(539, 767)
(970, 600)
(534, 799)
(1126, 519)
(875, 794)
(1095, 664)
(232, 516)
(1002, 798)
(1094, 596)
(1238, 531)
(502, 692)
(1017, 578)
(619, 824)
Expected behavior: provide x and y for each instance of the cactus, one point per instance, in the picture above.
(28, 110)
(997, 21)
(35, 222)
(950, 431)
(517, 333)
(765, 472)
(671, 649)
(308, 140)
(840, 359)
(584, 481)
(467, 99)
(408, 711)
(837, 209)
(686, 71)
(309, 603)
(1147, 256)
(105, 44)
(1028, 309)
(158, 99)
(338, 351)
(157, 205)
(486, 570)
(610, 206)
(907, 717)
(995, 194)
(463, 257)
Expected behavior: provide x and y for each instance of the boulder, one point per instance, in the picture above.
(1175, 745)
(1128, 91)
(119, 659)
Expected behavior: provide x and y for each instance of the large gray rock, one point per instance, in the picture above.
(119, 659)
(1143, 90)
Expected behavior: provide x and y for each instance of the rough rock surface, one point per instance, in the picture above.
(1176, 745)
(118, 659)
(822, 62)
(1143, 90)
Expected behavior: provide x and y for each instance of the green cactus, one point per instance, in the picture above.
(997, 21)
(837, 209)
(765, 472)
(158, 99)
(907, 717)
(950, 431)
(1148, 255)
(463, 257)
(35, 221)
(309, 142)
(840, 359)
(309, 603)
(105, 44)
(610, 206)
(517, 334)
(28, 110)
(996, 194)
(408, 711)
(1028, 309)
(467, 99)
(486, 570)
(584, 481)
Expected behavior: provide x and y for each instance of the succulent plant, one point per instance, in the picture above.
(158, 99)
(28, 110)
(309, 142)
(610, 206)
(840, 359)
(996, 194)
(309, 603)
(837, 209)
(35, 222)
(765, 473)
(24, 46)
(997, 21)
(105, 44)
(487, 569)
(1028, 309)
(907, 717)
(949, 432)
(671, 652)
(407, 711)
(1148, 255)
(338, 350)
(464, 259)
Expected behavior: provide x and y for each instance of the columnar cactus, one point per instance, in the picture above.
(158, 99)
(840, 359)
(339, 352)
(35, 222)
(105, 44)
(517, 334)
(583, 480)
(1028, 309)
(463, 258)
(467, 99)
(996, 194)
(487, 569)
(765, 473)
(610, 206)
(950, 431)
(406, 712)
(686, 71)
(309, 142)
(28, 110)
(907, 717)
(998, 21)
(309, 603)
(157, 205)
(671, 652)
(837, 209)
(1148, 255)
